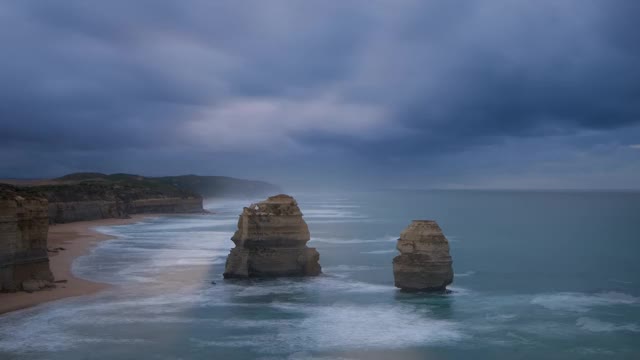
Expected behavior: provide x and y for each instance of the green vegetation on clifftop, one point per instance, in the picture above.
(87, 186)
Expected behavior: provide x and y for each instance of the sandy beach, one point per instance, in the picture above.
(77, 239)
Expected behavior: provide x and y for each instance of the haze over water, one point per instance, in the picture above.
(538, 275)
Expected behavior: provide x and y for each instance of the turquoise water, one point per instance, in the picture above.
(551, 275)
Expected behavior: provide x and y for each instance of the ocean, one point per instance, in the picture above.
(538, 275)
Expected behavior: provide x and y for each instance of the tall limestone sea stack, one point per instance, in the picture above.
(271, 241)
(24, 223)
(424, 263)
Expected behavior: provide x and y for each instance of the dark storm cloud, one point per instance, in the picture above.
(371, 82)
(518, 69)
(91, 73)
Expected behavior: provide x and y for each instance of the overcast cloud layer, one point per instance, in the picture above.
(498, 94)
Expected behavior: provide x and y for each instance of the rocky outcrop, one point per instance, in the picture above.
(65, 212)
(165, 205)
(424, 263)
(104, 199)
(24, 262)
(92, 196)
(271, 241)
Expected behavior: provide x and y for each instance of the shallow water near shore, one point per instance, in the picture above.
(538, 275)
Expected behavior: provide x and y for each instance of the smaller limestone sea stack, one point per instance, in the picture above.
(424, 263)
(271, 241)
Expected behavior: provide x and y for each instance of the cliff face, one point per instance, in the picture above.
(24, 262)
(93, 199)
(424, 263)
(64, 212)
(165, 205)
(271, 241)
(90, 196)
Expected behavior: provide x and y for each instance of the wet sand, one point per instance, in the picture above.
(77, 239)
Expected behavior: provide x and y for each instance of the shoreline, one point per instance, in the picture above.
(77, 238)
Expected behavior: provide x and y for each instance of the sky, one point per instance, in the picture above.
(501, 94)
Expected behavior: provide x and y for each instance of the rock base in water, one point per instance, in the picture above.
(244, 263)
(271, 242)
(424, 263)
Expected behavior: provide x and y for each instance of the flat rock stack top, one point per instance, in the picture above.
(271, 241)
(424, 263)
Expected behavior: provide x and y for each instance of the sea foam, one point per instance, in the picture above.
(595, 325)
(581, 302)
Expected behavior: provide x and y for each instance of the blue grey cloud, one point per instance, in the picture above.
(329, 89)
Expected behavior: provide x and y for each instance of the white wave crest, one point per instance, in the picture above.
(580, 302)
(465, 274)
(379, 252)
(595, 325)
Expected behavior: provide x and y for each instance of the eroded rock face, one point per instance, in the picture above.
(24, 224)
(271, 241)
(424, 263)
(71, 211)
(65, 212)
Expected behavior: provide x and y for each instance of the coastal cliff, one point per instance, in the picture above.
(93, 196)
(271, 241)
(24, 261)
(81, 197)
(424, 263)
(71, 211)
